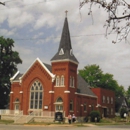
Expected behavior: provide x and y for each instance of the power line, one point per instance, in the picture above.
(88, 35)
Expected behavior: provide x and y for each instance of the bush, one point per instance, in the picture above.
(93, 115)
(122, 111)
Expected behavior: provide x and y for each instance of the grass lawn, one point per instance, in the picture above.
(6, 121)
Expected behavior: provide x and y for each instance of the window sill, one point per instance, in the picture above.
(59, 86)
(72, 87)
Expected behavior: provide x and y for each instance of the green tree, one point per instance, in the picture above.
(128, 95)
(94, 76)
(8, 66)
(128, 91)
(120, 91)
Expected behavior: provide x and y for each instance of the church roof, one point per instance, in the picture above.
(83, 87)
(65, 51)
(18, 76)
(49, 67)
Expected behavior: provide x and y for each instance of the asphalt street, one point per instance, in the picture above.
(38, 127)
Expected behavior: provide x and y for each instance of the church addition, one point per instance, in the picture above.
(56, 87)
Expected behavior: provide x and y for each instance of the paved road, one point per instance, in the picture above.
(22, 127)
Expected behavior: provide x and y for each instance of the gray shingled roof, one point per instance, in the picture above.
(48, 67)
(83, 86)
(119, 103)
(17, 77)
(65, 44)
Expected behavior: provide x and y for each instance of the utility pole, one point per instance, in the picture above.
(2, 3)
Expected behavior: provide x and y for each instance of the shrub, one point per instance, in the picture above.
(122, 111)
(93, 115)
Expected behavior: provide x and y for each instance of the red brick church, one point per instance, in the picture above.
(55, 87)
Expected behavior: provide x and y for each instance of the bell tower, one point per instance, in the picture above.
(64, 66)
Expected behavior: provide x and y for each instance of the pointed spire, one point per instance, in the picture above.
(65, 49)
(66, 13)
(65, 42)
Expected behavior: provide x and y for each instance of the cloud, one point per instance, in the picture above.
(20, 19)
(36, 26)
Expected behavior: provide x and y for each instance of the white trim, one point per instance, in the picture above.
(86, 95)
(67, 91)
(51, 91)
(11, 92)
(64, 60)
(71, 52)
(104, 106)
(72, 87)
(14, 76)
(61, 52)
(21, 92)
(52, 75)
(58, 103)
(98, 105)
(15, 81)
(46, 107)
(42, 64)
(59, 86)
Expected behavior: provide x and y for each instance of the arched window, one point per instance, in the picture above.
(57, 81)
(59, 104)
(111, 100)
(62, 80)
(71, 105)
(85, 107)
(17, 102)
(59, 100)
(73, 82)
(108, 100)
(103, 99)
(70, 81)
(36, 94)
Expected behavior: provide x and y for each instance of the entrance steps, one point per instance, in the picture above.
(23, 119)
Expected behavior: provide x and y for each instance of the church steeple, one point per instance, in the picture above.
(65, 51)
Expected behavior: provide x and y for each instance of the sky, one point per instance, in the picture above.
(36, 26)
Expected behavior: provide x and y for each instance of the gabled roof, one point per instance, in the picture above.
(65, 51)
(47, 67)
(16, 77)
(42, 66)
(83, 87)
(121, 102)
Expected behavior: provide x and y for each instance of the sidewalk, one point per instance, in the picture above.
(62, 125)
